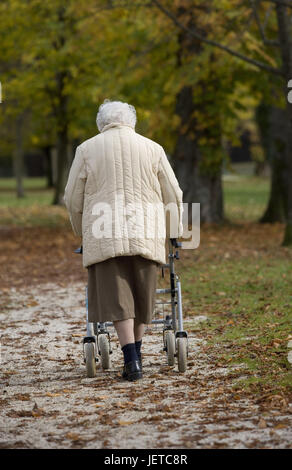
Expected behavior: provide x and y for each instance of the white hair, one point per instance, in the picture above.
(115, 112)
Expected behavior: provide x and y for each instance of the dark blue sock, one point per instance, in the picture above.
(138, 345)
(130, 354)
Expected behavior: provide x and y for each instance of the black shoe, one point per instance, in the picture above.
(132, 371)
(140, 362)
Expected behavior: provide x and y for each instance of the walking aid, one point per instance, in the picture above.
(175, 338)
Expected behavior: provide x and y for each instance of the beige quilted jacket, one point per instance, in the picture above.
(116, 170)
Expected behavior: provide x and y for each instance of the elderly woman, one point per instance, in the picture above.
(117, 180)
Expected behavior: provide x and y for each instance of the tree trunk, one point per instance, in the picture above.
(62, 146)
(199, 184)
(61, 112)
(48, 165)
(18, 156)
(275, 211)
(274, 135)
(285, 39)
(62, 139)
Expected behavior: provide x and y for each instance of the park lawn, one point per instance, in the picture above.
(35, 190)
(245, 200)
(246, 295)
(34, 209)
(245, 197)
(31, 183)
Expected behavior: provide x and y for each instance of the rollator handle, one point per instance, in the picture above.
(79, 250)
(175, 243)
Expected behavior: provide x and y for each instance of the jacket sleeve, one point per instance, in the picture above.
(74, 191)
(171, 192)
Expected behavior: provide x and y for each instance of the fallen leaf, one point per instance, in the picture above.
(280, 426)
(25, 397)
(72, 436)
(32, 304)
(262, 423)
(125, 423)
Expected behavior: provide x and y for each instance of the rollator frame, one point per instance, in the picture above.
(175, 338)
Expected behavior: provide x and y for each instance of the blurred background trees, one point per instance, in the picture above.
(206, 77)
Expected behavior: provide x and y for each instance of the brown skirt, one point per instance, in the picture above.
(121, 288)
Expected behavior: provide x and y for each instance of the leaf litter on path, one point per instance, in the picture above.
(47, 401)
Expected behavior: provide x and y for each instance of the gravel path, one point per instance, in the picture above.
(47, 401)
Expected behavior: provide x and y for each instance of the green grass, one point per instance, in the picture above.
(28, 183)
(245, 197)
(249, 306)
(35, 191)
(34, 209)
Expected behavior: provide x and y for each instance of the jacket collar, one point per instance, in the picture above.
(115, 124)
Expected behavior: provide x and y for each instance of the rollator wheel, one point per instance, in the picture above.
(182, 354)
(103, 347)
(170, 347)
(89, 353)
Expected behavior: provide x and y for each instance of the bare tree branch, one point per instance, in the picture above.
(268, 42)
(267, 16)
(192, 32)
